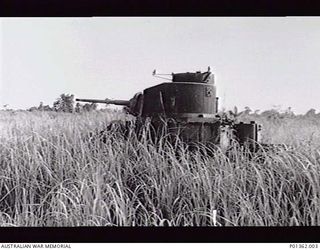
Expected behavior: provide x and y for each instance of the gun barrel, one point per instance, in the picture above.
(106, 101)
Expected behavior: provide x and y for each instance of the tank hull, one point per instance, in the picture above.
(204, 131)
(190, 131)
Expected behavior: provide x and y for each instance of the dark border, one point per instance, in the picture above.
(87, 8)
(161, 234)
(83, 8)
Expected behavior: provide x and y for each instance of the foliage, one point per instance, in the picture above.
(41, 107)
(65, 103)
(85, 107)
(56, 173)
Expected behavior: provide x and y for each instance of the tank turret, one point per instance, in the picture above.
(187, 95)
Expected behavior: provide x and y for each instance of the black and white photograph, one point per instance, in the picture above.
(160, 122)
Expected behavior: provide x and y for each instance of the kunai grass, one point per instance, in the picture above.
(53, 174)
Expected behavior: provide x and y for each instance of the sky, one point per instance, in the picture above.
(261, 63)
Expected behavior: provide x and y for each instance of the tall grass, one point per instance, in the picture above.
(53, 173)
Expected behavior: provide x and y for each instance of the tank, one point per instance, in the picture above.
(186, 108)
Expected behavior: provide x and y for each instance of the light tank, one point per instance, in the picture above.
(186, 107)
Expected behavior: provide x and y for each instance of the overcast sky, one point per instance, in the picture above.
(257, 62)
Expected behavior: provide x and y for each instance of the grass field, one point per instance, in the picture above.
(53, 175)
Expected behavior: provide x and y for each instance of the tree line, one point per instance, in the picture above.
(65, 103)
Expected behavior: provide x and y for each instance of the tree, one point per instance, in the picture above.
(44, 107)
(256, 112)
(78, 108)
(86, 107)
(272, 114)
(289, 112)
(247, 110)
(32, 109)
(89, 107)
(64, 103)
(311, 113)
(41, 107)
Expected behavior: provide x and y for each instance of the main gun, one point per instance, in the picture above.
(106, 101)
(132, 106)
